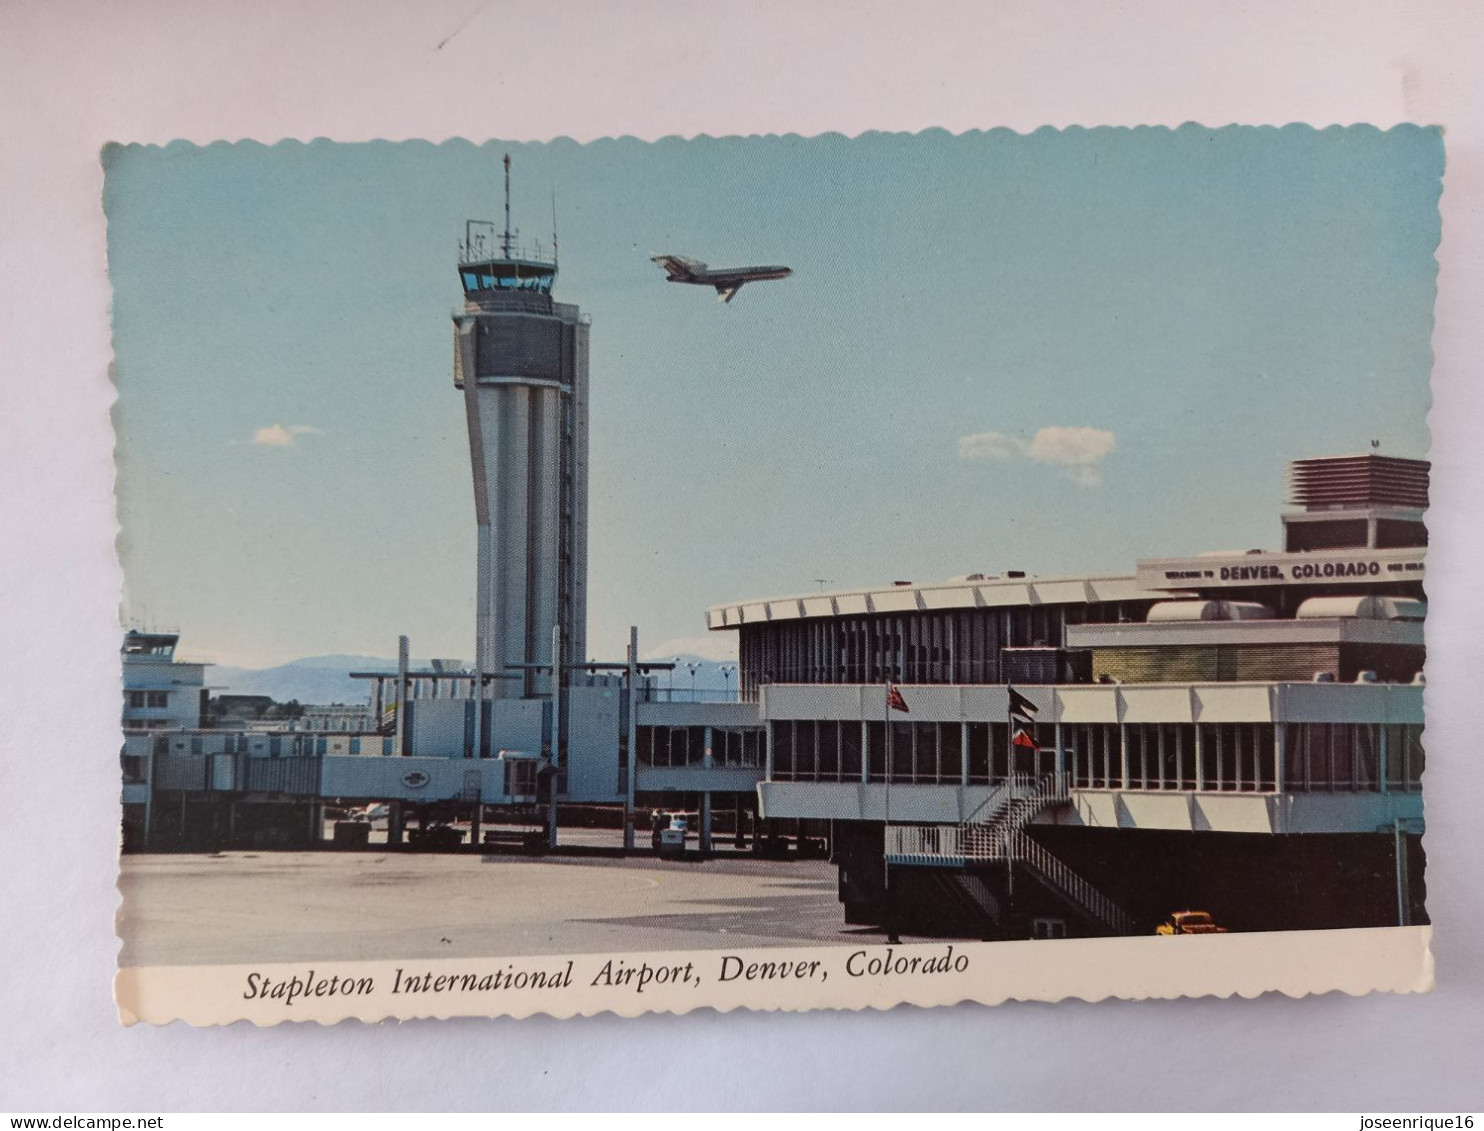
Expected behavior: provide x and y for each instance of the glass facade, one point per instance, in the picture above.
(667, 747)
(945, 646)
(1209, 757)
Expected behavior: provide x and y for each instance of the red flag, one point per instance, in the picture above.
(1023, 739)
(894, 699)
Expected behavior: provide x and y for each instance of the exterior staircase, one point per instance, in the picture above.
(996, 832)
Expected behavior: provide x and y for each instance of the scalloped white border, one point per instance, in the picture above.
(77, 74)
(1296, 963)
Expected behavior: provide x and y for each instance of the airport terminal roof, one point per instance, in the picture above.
(967, 592)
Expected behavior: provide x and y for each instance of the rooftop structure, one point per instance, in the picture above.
(160, 691)
(1366, 501)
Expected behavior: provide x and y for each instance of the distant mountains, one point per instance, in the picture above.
(314, 679)
(325, 679)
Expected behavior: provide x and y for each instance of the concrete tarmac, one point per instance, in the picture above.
(243, 907)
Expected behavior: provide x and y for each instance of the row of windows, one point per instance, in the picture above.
(272, 745)
(668, 747)
(1225, 757)
(138, 699)
(953, 646)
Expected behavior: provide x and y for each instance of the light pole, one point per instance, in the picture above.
(693, 666)
(673, 670)
(726, 675)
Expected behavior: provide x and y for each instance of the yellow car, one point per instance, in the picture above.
(1190, 923)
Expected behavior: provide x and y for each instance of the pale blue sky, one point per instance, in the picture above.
(1210, 304)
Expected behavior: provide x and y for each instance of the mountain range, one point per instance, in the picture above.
(326, 679)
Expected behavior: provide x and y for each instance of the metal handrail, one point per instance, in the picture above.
(924, 842)
(1072, 885)
(1015, 815)
(1003, 837)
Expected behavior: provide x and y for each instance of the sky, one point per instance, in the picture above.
(1057, 352)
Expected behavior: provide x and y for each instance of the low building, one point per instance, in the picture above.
(160, 691)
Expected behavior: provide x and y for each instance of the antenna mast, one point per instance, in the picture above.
(507, 206)
(555, 254)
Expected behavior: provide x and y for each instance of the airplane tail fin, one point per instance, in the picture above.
(679, 268)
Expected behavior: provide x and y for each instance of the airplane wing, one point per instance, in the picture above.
(725, 292)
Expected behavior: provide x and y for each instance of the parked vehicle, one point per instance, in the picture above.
(1190, 923)
(669, 838)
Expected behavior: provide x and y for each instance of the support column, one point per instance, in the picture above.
(149, 794)
(631, 674)
(1061, 760)
(1383, 754)
(478, 693)
(556, 734)
(1280, 770)
(1399, 851)
(1123, 782)
(393, 823)
(739, 841)
(708, 761)
(476, 823)
(400, 745)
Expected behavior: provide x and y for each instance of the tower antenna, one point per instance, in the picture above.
(507, 206)
(555, 247)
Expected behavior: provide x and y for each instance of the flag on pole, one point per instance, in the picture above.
(1023, 739)
(1021, 707)
(894, 699)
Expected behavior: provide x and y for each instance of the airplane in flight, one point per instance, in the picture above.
(727, 280)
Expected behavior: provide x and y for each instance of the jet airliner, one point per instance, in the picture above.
(727, 280)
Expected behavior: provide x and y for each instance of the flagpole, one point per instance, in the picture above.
(886, 723)
(891, 932)
(1009, 792)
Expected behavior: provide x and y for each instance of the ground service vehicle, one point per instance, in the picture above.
(1190, 923)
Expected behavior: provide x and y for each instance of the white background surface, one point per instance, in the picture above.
(74, 75)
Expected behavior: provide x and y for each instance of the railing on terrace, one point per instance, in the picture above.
(924, 844)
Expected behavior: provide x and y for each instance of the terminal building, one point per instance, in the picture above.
(997, 755)
(1238, 732)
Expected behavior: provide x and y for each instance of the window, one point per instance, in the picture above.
(783, 750)
(1048, 928)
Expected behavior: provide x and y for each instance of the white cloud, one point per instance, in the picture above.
(1078, 452)
(277, 436)
(718, 646)
(990, 445)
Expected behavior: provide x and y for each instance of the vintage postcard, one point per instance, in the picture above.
(771, 572)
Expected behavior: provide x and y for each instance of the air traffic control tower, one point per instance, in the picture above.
(520, 359)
